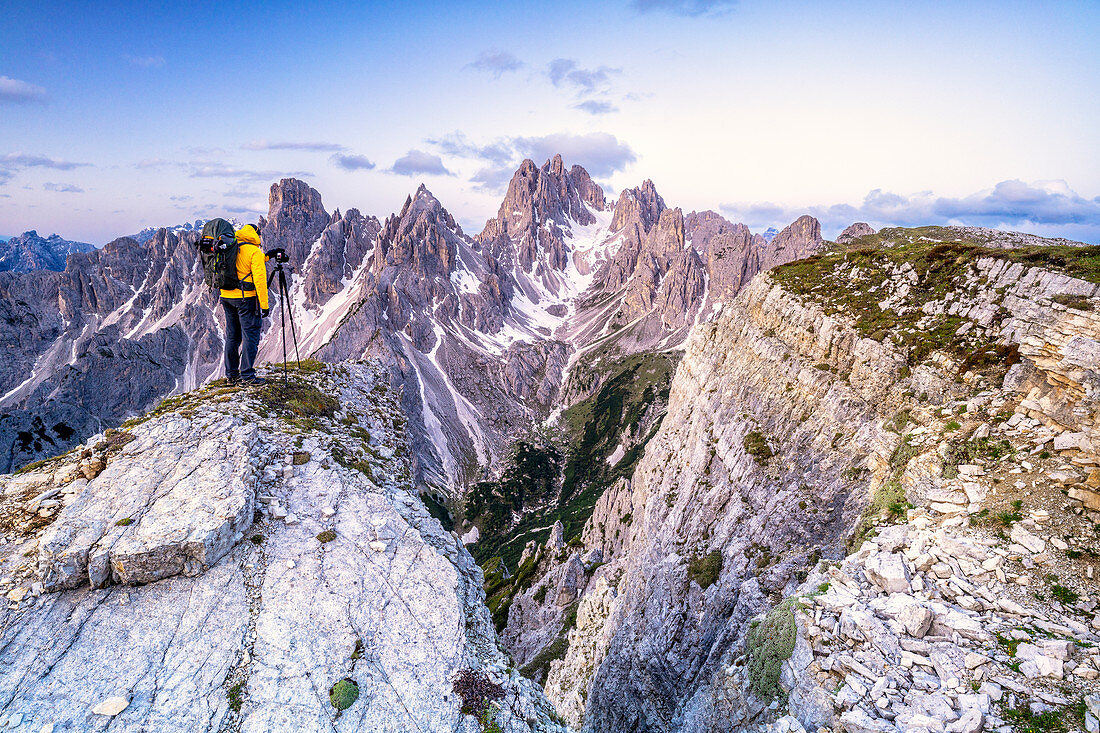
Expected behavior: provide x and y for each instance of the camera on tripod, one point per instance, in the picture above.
(279, 255)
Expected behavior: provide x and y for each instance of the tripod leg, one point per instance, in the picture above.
(293, 335)
(282, 328)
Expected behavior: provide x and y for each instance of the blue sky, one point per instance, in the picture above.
(132, 115)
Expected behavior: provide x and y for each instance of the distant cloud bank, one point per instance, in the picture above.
(601, 154)
(689, 8)
(317, 147)
(1050, 208)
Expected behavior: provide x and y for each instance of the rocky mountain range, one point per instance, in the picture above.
(601, 467)
(483, 334)
(29, 252)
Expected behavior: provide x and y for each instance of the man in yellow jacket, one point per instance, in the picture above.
(245, 309)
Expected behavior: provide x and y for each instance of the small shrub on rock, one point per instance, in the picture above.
(706, 569)
(327, 536)
(768, 644)
(477, 691)
(344, 694)
(756, 445)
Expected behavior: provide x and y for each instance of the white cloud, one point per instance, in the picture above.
(495, 62)
(689, 8)
(319, 147)
(352, 162)
(417, 162)
(16, 91)
(62, 188)
(146, 62)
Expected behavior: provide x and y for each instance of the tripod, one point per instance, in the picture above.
(283, 309)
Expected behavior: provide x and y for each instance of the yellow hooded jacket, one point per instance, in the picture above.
(251, 266)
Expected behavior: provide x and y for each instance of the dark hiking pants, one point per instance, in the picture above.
(242, 320)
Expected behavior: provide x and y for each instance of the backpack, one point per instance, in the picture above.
(218, 251)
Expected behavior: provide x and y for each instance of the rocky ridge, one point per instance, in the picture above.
(236, 559)
(782, 441)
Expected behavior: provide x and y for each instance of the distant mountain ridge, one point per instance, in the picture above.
(29, 252)
(148, 233)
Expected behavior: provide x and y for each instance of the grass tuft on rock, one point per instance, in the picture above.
(236, 696)
(768, 644)
(299, 398)
(327, 536)
(706, 569)
(888, 502)
(539, 667)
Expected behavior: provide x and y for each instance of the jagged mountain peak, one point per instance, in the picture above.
(641, 205)
(547, 193)
(296, 217)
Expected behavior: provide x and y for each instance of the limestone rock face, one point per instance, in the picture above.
(800, 239)
(387, 599)
(655, 648)
(172, 502)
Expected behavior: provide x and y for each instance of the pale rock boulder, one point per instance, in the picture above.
(887, 572)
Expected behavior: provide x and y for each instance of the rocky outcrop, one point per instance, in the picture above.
(344, 576)
(29, 252)
(854, 232)
(296, 217)
(941, 619)
(798, 240)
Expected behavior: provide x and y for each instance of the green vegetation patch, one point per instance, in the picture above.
(1023, 720)
(539, 667)
(756, 445)
(1077, 302)
(1064, 595)
(706, 569)
(325, 537)
(344, 694)
(125, 522)
(768, 644)
(305, 366)
(236, 696)
(593, 430)
(888, 501)
(438, 509)
(297, 397)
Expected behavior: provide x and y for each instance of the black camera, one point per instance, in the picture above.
(279, 255)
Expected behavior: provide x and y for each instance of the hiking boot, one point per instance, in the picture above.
(253, 381)
(232, 380)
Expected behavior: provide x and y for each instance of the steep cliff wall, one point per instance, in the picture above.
(782, 440)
